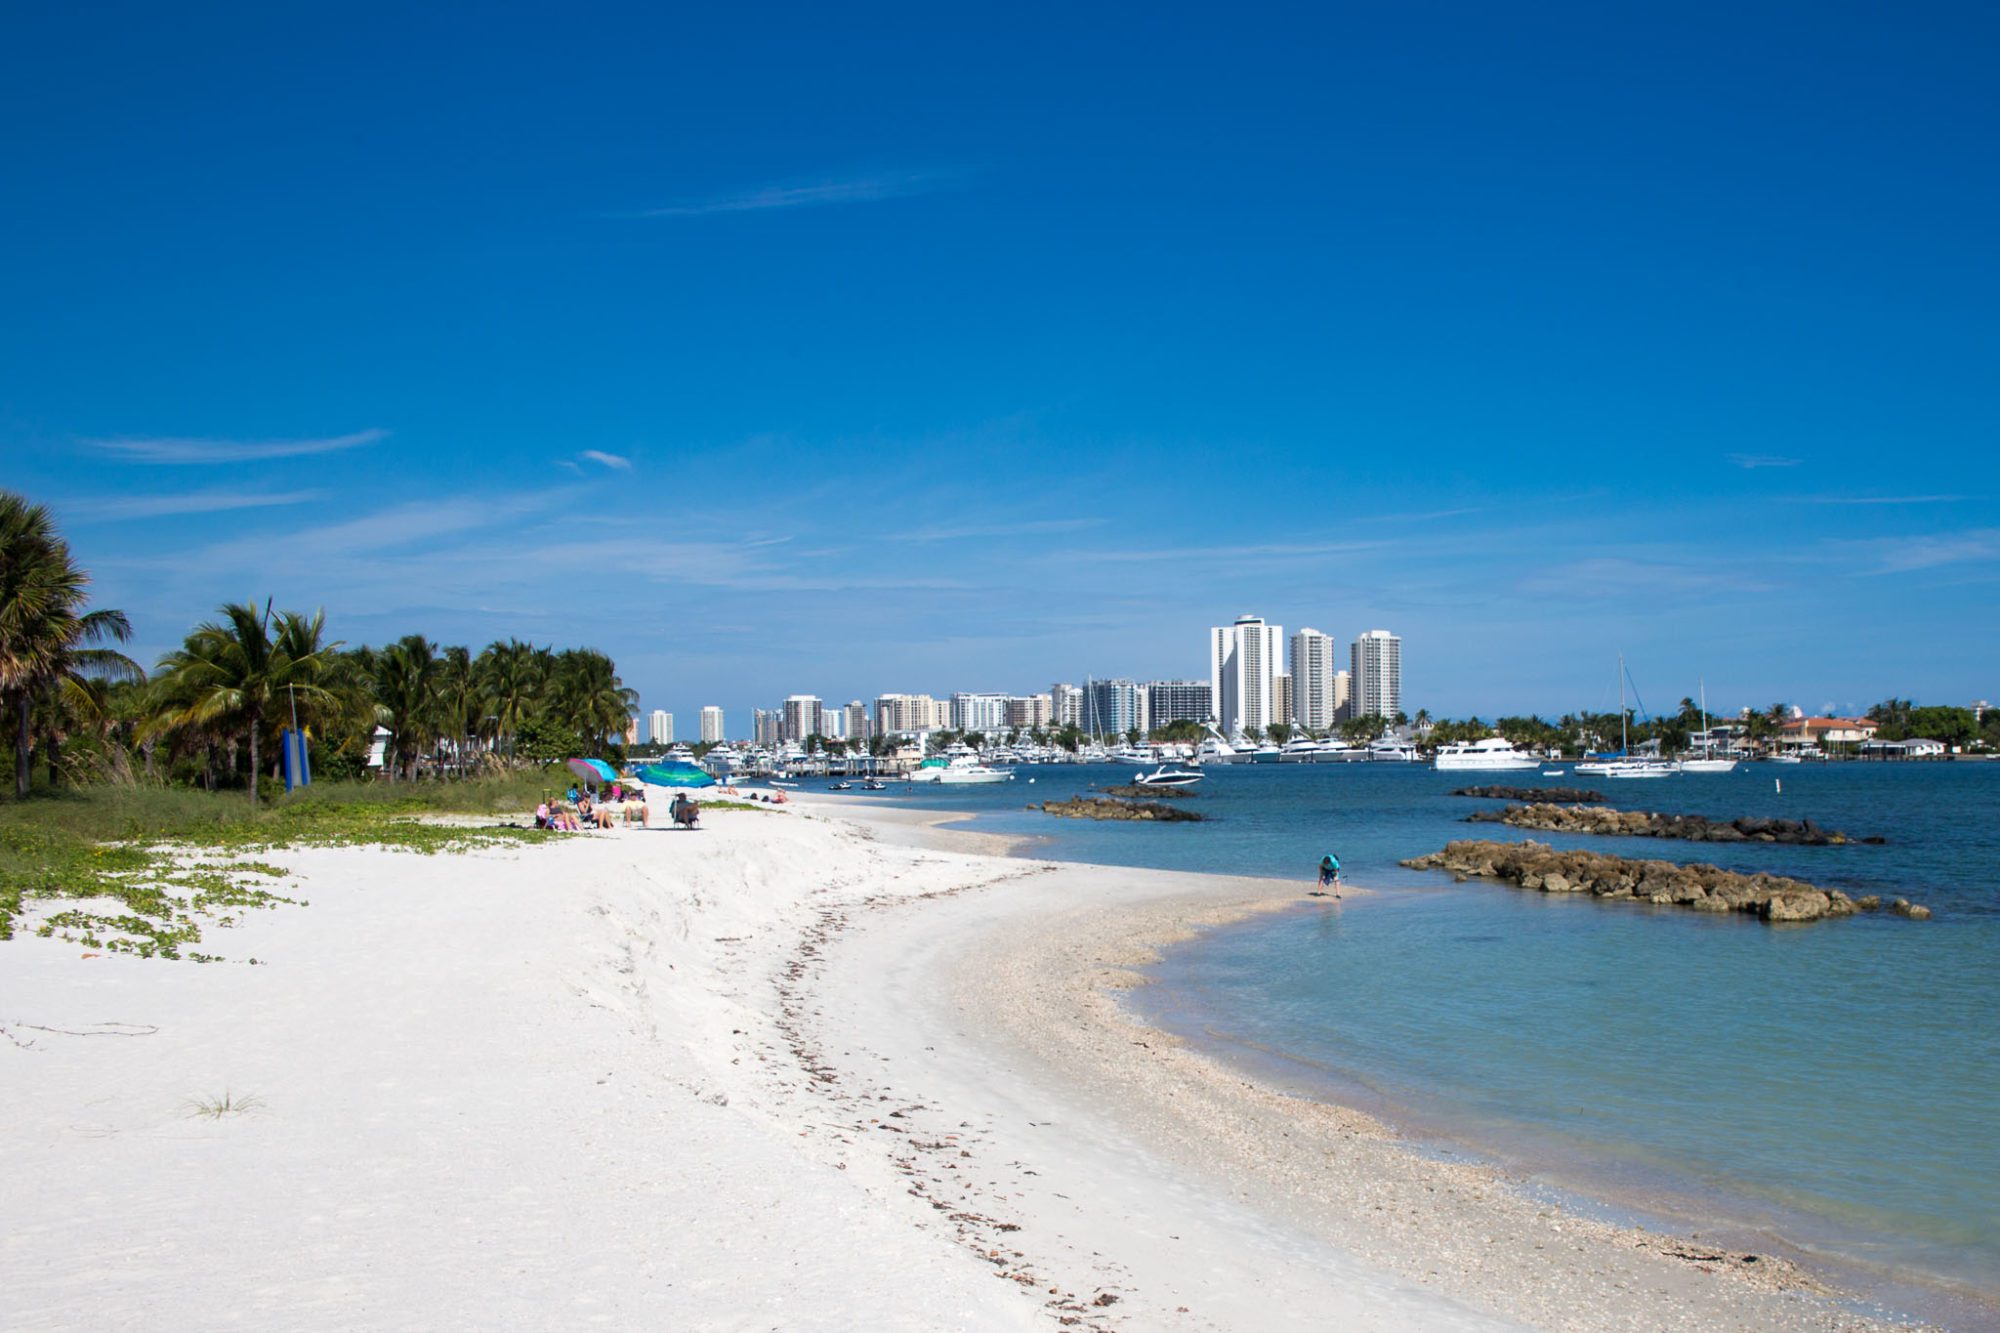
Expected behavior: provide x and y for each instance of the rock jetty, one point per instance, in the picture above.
(1139, 791)
(1701, 888)
(1100, 807)
(1552, 818)
(1531, 794)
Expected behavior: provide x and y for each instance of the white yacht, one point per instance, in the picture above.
(1494, 754)
(1217, 750)
(1265, 753)
(1391, 751)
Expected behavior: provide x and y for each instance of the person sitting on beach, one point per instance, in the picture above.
(685, 811)
(1329, 872)
(571, 794)
(635, 812)
(542, 816)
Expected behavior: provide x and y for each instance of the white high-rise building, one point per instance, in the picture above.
(1343, 695)
(1377, 660)
(802, 717)
(663, 727)
(711, 725)
(1065, 705)
(857, 721)
(1315, 680)
(1242, 660)
(978, 712)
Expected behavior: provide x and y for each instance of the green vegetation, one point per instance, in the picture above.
(211, 712)
(143, 870)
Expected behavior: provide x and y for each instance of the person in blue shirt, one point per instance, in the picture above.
(1329, 872)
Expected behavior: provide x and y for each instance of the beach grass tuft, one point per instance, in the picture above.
(228, 1104)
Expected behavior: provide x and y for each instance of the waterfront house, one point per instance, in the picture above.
(1825, 733)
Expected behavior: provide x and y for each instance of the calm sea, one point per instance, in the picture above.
(1836, 1085)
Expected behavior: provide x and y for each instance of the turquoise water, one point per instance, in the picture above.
(1837, 1085)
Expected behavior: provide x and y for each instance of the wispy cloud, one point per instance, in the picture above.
(855, 190)
(198, 502)
(964, 531)
(1764, 460)
(614, 461)
(170, 449)
(1903, 555)
(1875, 499)
(1214, 553)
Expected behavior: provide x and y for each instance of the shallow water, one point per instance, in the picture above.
(1836, 1084)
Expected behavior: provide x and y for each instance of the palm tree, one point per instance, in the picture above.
(46, 636)
(511, 685)
(229, 674)
(408, 677)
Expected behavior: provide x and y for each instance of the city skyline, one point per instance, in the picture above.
(1532, 347)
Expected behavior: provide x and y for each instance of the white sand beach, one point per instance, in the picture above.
(791, 1071)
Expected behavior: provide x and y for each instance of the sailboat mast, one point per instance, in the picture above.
(1624, 738)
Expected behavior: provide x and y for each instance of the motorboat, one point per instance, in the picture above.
(1552, 772)
(1266, 753)
(874, 784)
(1167, 775)
(1392, 752)
(1494, 754)
(841, 786)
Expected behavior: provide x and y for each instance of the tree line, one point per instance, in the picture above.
(210, 710)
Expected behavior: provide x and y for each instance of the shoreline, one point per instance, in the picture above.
(798, 1068)
(1054, 988)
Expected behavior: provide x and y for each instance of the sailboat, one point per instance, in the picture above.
(1623, 765)
(1708, 763)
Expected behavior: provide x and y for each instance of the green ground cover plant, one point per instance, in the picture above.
(143, 870)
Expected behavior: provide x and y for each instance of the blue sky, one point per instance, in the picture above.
(853, 349)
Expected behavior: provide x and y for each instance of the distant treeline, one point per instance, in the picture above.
(210, 710)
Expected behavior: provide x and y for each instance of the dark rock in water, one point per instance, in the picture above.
(1140, 791)
(1531, 794)
(1100, 807)
(1700, 888)
(1642, 824)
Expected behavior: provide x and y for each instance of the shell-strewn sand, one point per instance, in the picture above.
(789, 1071)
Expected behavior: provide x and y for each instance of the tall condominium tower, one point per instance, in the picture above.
(1112, 708)
(663, 727)
(1315, 692)
(1377, 661)
(978, 712)
(711, 724)
(1242, 659)
(909, 714)
(1169, 701)
(1065, 705)
(857, 721)
(1343, 695)
(802, 717)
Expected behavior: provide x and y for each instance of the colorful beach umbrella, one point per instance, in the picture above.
(674, 774)
(593, 770)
